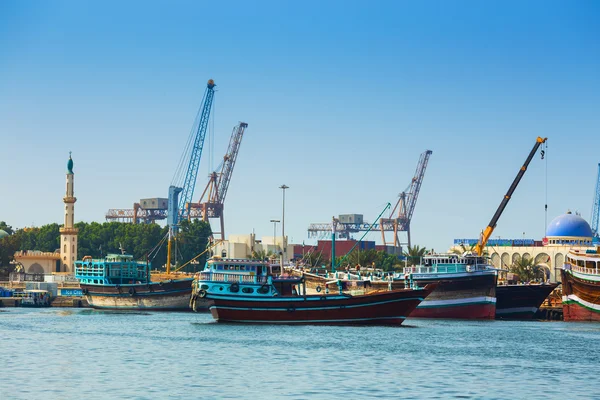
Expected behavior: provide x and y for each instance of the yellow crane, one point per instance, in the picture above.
(487, 233)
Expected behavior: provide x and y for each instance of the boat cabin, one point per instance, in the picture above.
(223, 275)
(450, 263)
(584, 261)
(114, 269)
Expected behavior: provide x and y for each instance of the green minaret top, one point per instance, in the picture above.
(70, 164)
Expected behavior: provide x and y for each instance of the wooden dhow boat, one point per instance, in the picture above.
(581, 285)
(248, 292)
(119, 282)
(465, 285)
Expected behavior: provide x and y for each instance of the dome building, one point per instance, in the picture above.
(3, 234)
(564, 232)
(569, 230)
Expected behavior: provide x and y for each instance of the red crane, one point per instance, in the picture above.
(405, 205)
(218, 183)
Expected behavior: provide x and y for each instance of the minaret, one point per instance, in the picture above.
(68, 232)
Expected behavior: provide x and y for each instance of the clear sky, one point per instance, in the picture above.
(341, 98)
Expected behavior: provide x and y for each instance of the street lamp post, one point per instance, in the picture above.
(275, 221)
(283, 241)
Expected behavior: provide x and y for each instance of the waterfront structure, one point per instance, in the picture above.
(564, 232)
(581, 285)
(63, 259)
(38, 262)
(245, 246)
(68, 232)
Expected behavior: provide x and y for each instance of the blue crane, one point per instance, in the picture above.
(596, 207)
(191, 154)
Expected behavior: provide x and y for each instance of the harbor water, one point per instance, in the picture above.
(82, 353)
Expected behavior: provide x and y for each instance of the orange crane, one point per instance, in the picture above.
(218, 183)
(487, 233)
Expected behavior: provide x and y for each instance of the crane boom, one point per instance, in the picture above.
(487, 233)
(229, 160)
(415, 185)
(192, 170)
(406, 203)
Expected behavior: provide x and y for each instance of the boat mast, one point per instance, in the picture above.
(333, 226)
(169, 251)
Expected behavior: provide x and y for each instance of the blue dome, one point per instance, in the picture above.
(569, 225)
(3, 234)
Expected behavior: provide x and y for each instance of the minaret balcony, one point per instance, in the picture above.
(69, 199)
(68, 231)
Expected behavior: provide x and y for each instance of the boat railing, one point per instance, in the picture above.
(445, 269)
(584, 270)
(221, 277)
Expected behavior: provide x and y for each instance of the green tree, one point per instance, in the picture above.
(192, 240)
(262, 255)
(526, 269)
(6, 228)
(414, 254)
(462, 249)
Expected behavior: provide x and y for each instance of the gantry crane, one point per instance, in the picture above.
(216, 189)
(596, 207)
(405, 205)
(487, 233)
(136, 214)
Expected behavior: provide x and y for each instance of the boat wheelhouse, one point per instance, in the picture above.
(581, 285)
(120, 282)
(228, 275)
(466, 286)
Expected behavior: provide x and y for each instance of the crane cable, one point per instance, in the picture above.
(543, 153)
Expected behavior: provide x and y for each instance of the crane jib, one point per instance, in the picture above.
(488, 231)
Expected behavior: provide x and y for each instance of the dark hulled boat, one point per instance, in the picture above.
(247, 291)
(119, 282)
(521, 301)
(384, 308)
(581, 285)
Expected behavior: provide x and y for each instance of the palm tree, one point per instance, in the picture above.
(467, 249)
(526, 269)
(414, 254)
(262, 255)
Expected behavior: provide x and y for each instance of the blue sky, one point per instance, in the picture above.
(341, 98)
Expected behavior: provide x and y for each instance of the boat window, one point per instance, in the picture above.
(248, 290)
(205, 287)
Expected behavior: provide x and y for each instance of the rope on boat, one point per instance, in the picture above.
(157, 247)
(207, 249)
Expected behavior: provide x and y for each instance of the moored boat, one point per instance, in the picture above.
(119, 282)
(248, 292)
(581, 285)
(466, 285)
(521, 301)
(466, 289)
